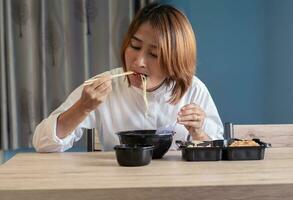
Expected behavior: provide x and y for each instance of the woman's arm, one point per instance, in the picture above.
(200, 116)
(92, 96)
(53, 134)
(70, 119)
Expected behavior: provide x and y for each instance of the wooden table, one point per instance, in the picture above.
(96, 175)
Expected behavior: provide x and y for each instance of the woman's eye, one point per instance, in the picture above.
(134, 47)
(154, 55)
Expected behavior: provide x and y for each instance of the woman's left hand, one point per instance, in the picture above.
(192, 117)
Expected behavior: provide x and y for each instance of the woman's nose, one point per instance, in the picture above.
(140, 60)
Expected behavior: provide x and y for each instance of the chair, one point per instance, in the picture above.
(279, 135)
(93, 142)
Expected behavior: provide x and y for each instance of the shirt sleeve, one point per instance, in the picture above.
(45, 138)
(212, 125)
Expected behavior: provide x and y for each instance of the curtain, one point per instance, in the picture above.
(47, 49)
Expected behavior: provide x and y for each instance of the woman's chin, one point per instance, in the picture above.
(135, 84)
(147, 89)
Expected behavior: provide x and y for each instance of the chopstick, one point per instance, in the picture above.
(90, 81)
(122, 74)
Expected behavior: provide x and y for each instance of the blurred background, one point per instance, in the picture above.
(49, 47)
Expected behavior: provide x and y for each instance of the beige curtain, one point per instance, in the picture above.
(48, 48)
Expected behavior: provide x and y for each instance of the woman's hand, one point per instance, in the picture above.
(192, 117)
(95, 94)
(92, 96)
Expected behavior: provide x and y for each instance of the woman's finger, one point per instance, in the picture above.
(106, 90)
(102, 80)
(188, 106)
(187, 109)
(99, 81)
(192, 117)
(103, 86)
(194, 124)
(94, 93)
(104, 94)
(191, 112)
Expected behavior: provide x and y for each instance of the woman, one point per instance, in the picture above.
(159, 44)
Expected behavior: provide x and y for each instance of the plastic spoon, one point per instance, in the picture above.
(167, 129)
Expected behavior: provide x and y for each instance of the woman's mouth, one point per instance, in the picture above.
(140, 74)
(136, 79)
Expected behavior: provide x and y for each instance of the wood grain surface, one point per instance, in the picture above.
(96, 175)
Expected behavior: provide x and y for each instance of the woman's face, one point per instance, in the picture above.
(141, 56)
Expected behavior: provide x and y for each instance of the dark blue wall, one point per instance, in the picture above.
(279, 59)
(244, 49)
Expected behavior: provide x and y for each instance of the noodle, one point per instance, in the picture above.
(144, 85)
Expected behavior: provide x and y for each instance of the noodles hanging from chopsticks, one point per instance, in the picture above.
(144, 85)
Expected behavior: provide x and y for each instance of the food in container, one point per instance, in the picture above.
(232, 149)
(244, 149)
(243, 143)
(205, 151)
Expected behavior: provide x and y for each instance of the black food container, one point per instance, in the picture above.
(191, 152)
(161, 142)
(220, 150)
(245, 152)
(133, 155)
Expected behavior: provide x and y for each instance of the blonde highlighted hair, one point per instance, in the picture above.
(177, 45)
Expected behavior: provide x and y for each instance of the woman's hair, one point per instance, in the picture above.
(176, 48)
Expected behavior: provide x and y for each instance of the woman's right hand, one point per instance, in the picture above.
(95, 94)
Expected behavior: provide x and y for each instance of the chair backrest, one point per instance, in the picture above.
(93, 142)
(279, 135)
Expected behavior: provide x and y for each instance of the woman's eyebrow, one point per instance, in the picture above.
(139, 40)
(136, 38)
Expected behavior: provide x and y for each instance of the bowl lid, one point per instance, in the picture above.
(147, 132)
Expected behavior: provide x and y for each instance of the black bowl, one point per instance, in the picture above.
(133, 155)
(161, 142)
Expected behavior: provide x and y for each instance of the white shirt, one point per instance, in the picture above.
(124, 109)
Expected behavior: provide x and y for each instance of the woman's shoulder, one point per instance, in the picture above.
(198, 85)
(197, 92)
